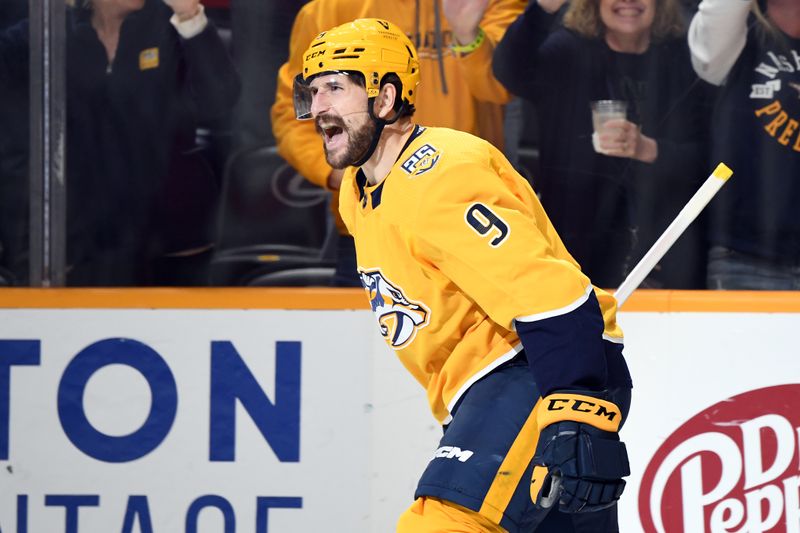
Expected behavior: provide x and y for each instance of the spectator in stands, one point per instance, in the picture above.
(455, 40)
(141, 75)
(610, 204)
(755, 57)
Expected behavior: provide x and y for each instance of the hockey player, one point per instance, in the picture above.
(520, 355)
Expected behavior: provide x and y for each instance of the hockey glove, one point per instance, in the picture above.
(579, 461)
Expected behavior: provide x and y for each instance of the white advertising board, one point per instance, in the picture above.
(714, 424)
(197, 421)
(172, 421)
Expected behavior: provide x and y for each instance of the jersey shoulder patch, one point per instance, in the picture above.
(422, 160)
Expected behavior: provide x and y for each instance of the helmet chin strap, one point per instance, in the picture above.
(379, 125)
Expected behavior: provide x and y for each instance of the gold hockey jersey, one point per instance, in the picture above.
(453, 247)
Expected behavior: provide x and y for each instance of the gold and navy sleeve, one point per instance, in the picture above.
(567, 351)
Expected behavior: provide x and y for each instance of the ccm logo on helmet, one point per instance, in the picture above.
(314, 54)
(581, 406)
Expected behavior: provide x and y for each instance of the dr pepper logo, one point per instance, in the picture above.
(734, 467)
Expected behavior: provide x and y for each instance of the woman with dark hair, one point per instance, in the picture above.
(611, 198)
(752, 50)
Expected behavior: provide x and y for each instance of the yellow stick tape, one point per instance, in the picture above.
(722, 172)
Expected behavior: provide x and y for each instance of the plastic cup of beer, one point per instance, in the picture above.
(602, 112)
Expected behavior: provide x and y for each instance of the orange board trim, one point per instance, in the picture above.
(184, 298)
(644, 300)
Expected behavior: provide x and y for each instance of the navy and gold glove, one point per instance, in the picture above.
(579, 461)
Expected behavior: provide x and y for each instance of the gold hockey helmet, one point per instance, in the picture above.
(373, 47)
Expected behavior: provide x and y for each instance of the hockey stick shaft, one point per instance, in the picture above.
(689, 212)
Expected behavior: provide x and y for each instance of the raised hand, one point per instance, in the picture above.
(464, 16)
(184, 9)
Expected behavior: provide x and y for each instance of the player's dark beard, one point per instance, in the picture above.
(359, 141)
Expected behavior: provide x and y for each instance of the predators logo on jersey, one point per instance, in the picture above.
(398, 318)
(422, 160)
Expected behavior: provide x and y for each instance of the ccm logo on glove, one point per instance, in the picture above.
(579, 408)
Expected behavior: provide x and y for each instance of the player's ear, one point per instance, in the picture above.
(384, 103)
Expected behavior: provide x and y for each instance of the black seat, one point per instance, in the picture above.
(271, 220)
(296, 277)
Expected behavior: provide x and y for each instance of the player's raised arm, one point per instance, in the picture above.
(717, 35)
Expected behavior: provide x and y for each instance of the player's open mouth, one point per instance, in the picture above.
(333, 136)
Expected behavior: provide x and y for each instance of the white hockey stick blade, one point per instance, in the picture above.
(689, 212)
